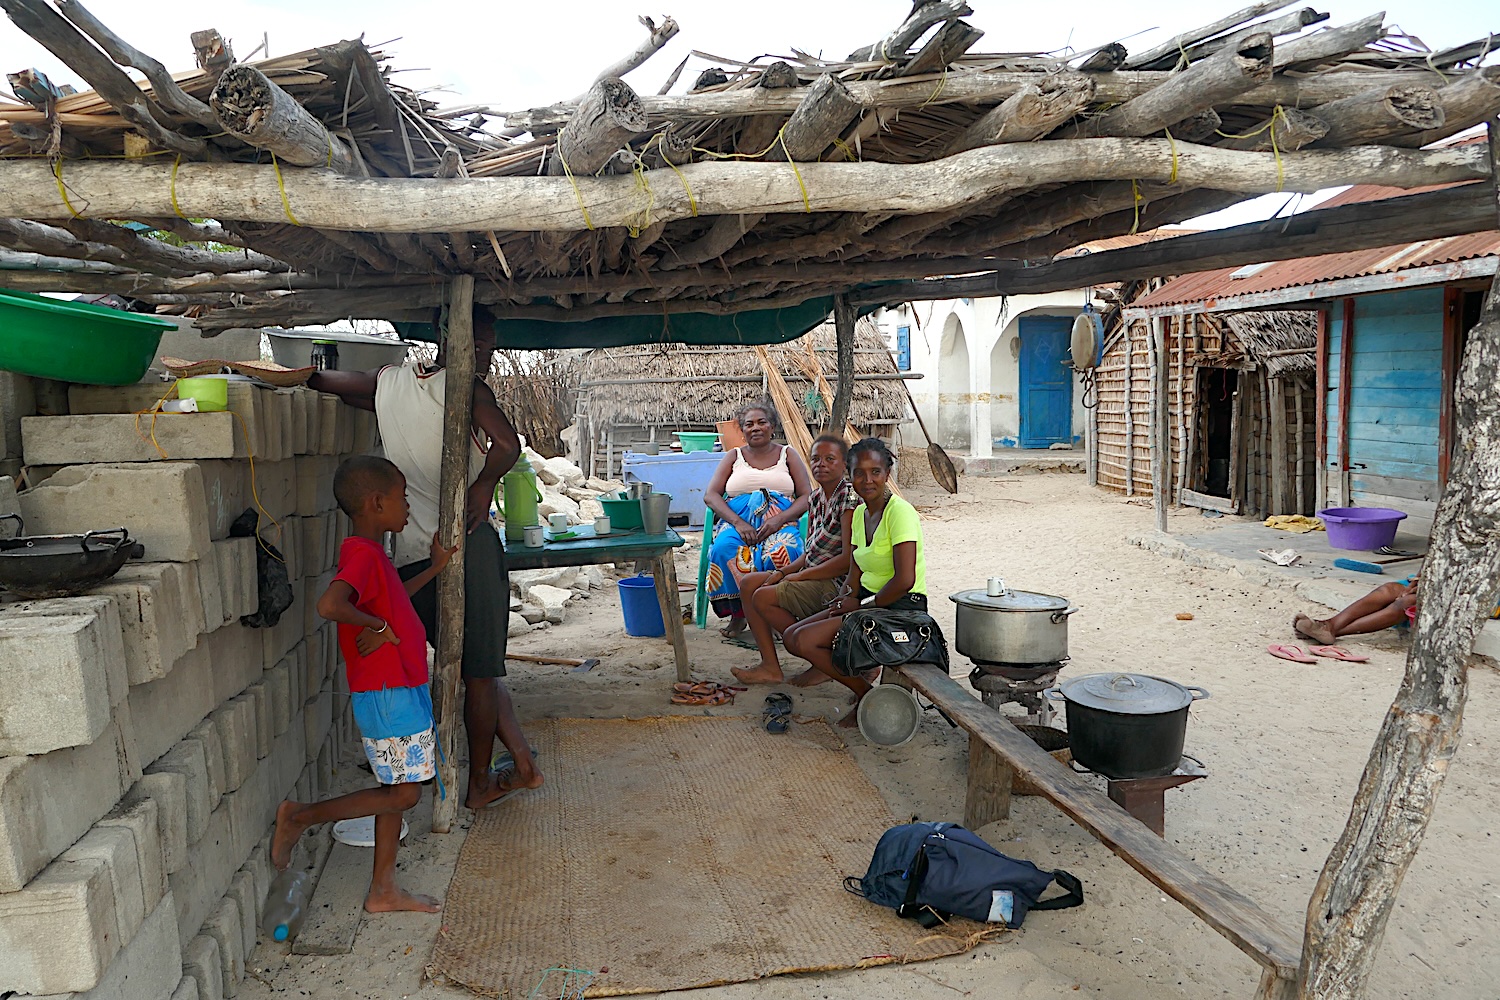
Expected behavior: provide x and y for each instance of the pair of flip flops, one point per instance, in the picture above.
(777, 715)
(705, 693)
(1284, 651)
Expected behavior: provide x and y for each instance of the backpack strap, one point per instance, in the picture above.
(1069, 899)
(916, 873)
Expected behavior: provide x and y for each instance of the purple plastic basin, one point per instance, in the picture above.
(1360, 529)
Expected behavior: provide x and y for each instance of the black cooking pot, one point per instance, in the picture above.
(39, 566)
(1126, 725)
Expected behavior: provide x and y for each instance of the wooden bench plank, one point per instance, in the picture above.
(1208, 897)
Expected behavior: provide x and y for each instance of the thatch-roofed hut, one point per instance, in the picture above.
(634, 396)
(1242, 405)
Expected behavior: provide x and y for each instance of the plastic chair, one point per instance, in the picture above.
(700, 596)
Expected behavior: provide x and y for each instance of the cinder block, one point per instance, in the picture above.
(315, 484)
(113, 437)
(179, 588)
(319, 719)
(207, 733)
(314, 539)
(168, 792)
(187, 989)
(188, 759)
(153, 634)
(56, 692)
(166, 710)
(106, 609)
(211, 593)
(115, 847)
(242, 891)
(298, 421)
(59, 933)
(264, 736)
(200, 963)
(239, 735)
(237, 576)
(212, 862)
(119, 398)
(150, 966)
(278, 681)
(329, 410)
(48, 802)
(258, 867)
(163, 504)
(143, 822)
(234, 657)
(276, 482)
(314, 408)
(223, 925)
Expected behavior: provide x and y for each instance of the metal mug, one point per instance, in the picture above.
(531, 536)
(601, 524)
(995, 587)
(640, 490)
(557, 522)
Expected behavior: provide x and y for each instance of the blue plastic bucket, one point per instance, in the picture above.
(641, 608)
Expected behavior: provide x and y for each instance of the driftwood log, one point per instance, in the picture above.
(453, 491)
(657, 35)
(1470, 100)
(1032, 112)
(1356, 891)
(924, 14)
(1285, 131)
(1332, 43)
(255, 110)
(609, 116)
(164, 89)
(322, 200)
(1378, 113)
(1173, 47)
(1284, 24)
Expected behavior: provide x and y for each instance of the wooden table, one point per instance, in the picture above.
(588, 549)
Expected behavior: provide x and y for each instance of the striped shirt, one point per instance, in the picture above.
(825, 529)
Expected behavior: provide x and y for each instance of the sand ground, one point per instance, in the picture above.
(1284, 743)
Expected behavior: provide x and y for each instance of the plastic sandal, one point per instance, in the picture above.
(1293, 653)
(777, 715)
(1337, 653)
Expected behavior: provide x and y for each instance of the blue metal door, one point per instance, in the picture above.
(1046, 397)
(903, 348)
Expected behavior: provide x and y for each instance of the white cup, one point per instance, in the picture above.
(995, 587)
(601, 525)
(558, 522)
(532, 536)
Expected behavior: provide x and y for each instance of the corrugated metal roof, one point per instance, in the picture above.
(1221, 284)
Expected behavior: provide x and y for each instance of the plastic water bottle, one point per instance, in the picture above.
(286, 905)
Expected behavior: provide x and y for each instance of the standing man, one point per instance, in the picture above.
(408, 404)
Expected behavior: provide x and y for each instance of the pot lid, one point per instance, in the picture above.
(1129, 694)
(1011, 600)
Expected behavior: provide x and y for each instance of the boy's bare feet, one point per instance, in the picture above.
(513, 779)
(285, 837)
(809, 678)
(761, 673)
(851, 719)
(395, 900)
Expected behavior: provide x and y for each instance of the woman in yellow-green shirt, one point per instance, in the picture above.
(888, 568)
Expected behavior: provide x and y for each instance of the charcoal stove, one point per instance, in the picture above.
(1001, 684)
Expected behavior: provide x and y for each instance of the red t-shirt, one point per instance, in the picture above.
(378, 591)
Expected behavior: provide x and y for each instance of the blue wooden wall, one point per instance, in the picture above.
(1394, 400)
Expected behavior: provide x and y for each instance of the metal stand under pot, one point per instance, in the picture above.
(1018, 642)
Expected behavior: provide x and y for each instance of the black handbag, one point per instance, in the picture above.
(881, 637)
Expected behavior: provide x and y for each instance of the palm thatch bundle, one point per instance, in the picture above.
(1280, 341)
(680, 387)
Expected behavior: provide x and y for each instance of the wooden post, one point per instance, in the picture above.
(843, 392)
(452, 507)
(1346, 374)
(1320, 413)
(1161, 439)
(1276, 430)
(1299, 466)
(987, 799)
(664, 573)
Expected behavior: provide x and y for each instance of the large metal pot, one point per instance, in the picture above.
(40, 566)
(1126, 725)
(1015, 627)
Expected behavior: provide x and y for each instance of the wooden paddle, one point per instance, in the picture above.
(942, 466)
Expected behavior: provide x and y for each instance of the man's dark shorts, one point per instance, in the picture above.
(486, 603)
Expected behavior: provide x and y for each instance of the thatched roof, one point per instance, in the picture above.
(909, 158)
(1264, 336)
(674, 384)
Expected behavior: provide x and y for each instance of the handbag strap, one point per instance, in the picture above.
(1069, 899)
(924, 631)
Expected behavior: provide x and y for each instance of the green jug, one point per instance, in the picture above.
(521, 497)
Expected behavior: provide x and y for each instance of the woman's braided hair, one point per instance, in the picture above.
(876, 447)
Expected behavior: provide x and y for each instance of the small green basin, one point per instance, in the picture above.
(75, 342)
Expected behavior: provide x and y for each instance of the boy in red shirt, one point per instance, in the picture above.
(385, 653)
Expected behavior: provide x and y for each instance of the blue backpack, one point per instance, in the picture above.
(930, 871)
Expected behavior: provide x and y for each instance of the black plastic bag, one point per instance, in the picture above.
(272, 581)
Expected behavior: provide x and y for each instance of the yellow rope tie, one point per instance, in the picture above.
(846, 149)
(1276, 151)
(172, 188)
(942, 82)
(692, 201)
(1172, 144)
(286, 204)
(781, 137)
(642, 185)
(1135, 195)
(576, 193)
(62, 189)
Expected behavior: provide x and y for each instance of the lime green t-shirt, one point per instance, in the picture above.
(876, 556)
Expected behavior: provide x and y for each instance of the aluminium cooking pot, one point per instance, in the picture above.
(1015, 626)
(40, 566)
(1126, 725)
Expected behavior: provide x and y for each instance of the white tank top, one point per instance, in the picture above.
(409, 410)
(746, 478)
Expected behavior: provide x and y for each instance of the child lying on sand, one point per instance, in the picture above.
(1386, 606)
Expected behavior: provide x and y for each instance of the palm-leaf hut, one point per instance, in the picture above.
(630, 398)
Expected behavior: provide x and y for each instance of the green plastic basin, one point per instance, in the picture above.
(697, 440)
(75, 342)
(623, 514)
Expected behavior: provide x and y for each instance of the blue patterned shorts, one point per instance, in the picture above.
(398, 760)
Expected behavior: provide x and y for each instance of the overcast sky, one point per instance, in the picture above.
(512, 55)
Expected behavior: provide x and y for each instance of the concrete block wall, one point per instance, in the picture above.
(146, 735)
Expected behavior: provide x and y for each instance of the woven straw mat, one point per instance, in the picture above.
(677, 853)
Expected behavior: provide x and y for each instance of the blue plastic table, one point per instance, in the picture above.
(587, 549)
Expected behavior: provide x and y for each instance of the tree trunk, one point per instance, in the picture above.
(823, 114)
(1326, 46)
(165, 89)
(1285, 131)
(1471, 99)
(844, 319)
(608, 118)
(1379, 113)
(1221, 77)
(251, 193)
(1175, 45)
(452, 507)
(1030, 113)
(257, 111)
(1356, 892)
